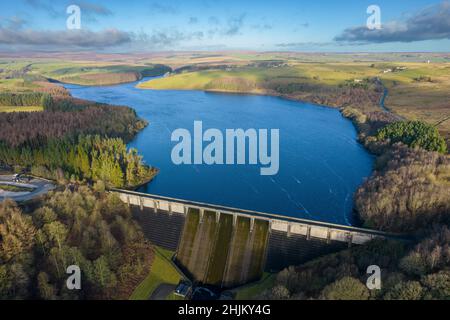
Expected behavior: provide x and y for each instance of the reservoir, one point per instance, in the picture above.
(321, 164)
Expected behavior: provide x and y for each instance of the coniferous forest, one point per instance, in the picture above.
(76, 140)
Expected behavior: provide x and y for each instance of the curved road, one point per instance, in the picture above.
(40, 187)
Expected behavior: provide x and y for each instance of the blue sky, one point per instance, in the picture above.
(132, 25)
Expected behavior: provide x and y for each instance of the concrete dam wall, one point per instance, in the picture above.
(161, 228)
(222, 250)
(227, 247)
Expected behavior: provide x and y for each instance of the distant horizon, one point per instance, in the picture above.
(217, 26)
(221, 51)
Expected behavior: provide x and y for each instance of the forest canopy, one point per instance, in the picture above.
(67, 118)
(414, 134)
(23, 99)
(93, 230)
(408, 272)
(81, 140)
(410, 190)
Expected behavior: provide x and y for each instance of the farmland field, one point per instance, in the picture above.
(20, 109)
(417, 91)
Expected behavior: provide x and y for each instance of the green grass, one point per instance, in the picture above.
(250, 291)
(20, 109)
(77, 72)
(162, 271)
(329, 74)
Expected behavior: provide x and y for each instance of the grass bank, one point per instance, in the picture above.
(162, 271)
(252, 290)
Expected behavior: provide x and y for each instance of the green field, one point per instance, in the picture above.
(162, 271)
(420, 91)
(24, 75)
(20, 109)
(417, 90)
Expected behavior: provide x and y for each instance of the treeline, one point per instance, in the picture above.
(92, 230)
(234, 84)
(421, 271)
(84, 158)
(154, 70)
(21, 100)
(363, 98)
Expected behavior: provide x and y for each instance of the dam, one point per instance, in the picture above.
(227, 247)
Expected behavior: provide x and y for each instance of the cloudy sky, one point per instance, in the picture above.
(153, 25)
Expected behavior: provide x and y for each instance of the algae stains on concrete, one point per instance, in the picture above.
(221, 250)
(185, 246)
(248, 248)
(202, 246)
(218, 259)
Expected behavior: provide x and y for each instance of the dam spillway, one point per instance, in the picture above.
(227, 247)
(221, 250)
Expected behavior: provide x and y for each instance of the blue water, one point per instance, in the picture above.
(321, 163)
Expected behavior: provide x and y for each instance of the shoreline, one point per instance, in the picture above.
(357, 222)
(289, 97)
(355, 216)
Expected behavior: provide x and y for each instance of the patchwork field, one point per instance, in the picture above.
(418, 83)
(22, 75)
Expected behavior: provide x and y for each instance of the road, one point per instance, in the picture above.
(39, 186)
